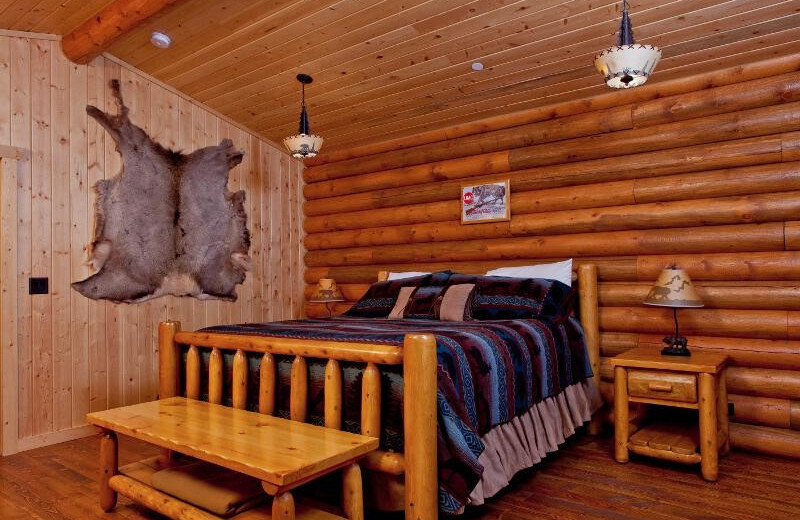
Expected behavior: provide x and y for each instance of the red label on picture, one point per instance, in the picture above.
(468, 199)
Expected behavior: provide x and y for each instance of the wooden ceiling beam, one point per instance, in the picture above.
(99, 32)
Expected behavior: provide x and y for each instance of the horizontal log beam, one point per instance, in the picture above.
(762, 439)
(767, 266)
(689, 159)
(770, 207)
(765, 411)
(704, 80)
(732, 295)
(707, 239)
(724, 127)
(770, 178)
(98, 33)
(703, 103)
(784, 88)
(762, 382)
(580, 125)
(770, 324)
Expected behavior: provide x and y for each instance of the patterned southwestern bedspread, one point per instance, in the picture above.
(489, 372)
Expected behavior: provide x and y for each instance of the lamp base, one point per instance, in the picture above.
(675, 346)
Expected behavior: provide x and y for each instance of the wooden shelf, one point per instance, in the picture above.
(675, 442)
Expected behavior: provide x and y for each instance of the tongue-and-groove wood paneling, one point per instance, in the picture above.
(702, 172)
(68, 355)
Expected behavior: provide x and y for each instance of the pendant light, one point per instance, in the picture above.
(304, 144)
(627, 64)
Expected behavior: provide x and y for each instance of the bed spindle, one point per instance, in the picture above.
(298, 402)
(193, 373)
(333, 395)
(266, 385)
(215, 377)
(371, 401)
(239, 390)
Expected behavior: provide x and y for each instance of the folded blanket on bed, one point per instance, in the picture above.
(489, 372)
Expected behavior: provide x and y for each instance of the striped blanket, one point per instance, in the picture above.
(488, 373)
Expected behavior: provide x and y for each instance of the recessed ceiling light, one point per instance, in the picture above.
(160, 40)
(477, 66)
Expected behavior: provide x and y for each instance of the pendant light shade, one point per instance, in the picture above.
(304, 144)
(627, 64)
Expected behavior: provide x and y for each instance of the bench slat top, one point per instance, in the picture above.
(268, 448)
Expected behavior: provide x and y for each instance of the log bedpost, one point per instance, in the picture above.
(587, 287)
(419, 423)
(168, 358)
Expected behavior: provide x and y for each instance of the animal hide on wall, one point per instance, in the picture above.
(166, 224)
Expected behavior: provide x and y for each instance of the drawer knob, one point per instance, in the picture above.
(660, 387)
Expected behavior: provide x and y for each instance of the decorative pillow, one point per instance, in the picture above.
(400, 304)
(561, 271)
(380, 298)
(424, 303)
(457, 302)
(502, 298)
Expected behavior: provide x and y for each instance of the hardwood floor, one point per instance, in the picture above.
(580, 482)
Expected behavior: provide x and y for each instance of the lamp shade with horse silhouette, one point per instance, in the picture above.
(674, 289)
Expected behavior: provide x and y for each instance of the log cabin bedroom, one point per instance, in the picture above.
(387, 259)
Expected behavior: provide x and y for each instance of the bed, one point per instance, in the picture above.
(464, 405)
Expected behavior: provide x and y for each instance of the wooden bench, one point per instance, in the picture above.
(282, 454)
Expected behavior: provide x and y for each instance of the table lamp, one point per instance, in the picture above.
(674, 289)
(327, 292)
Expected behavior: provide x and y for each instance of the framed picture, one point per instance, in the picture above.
(488, 202)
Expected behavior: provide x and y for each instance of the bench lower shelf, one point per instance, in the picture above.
(132, 482)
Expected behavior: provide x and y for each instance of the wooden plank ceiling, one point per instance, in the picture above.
(390, 68)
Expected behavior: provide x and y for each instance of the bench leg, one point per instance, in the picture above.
(109, 465)
(352, 492)
(283, 507)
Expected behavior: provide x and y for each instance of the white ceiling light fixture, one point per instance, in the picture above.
(477, 66)
(305, 144)
(627, 64)
(160, 40)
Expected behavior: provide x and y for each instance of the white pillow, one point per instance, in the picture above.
(406, 274)
(561, 271)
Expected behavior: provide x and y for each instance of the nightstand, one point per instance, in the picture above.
(644, 375)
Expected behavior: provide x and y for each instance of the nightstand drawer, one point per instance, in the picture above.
(657, 384)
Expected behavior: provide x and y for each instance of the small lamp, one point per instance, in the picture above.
(674, 289)
(327, 292)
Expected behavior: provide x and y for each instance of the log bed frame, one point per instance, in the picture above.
(417, 466)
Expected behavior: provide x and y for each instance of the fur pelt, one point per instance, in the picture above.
(166, 224)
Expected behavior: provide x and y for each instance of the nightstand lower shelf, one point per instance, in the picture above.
(671, 442)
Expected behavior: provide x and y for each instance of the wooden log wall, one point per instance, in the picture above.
(702, 172)
(68, 355)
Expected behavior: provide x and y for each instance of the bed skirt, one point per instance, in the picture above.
(528, 438)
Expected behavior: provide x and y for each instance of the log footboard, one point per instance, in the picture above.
(418, 357)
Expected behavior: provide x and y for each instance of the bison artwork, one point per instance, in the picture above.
(166, 224)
